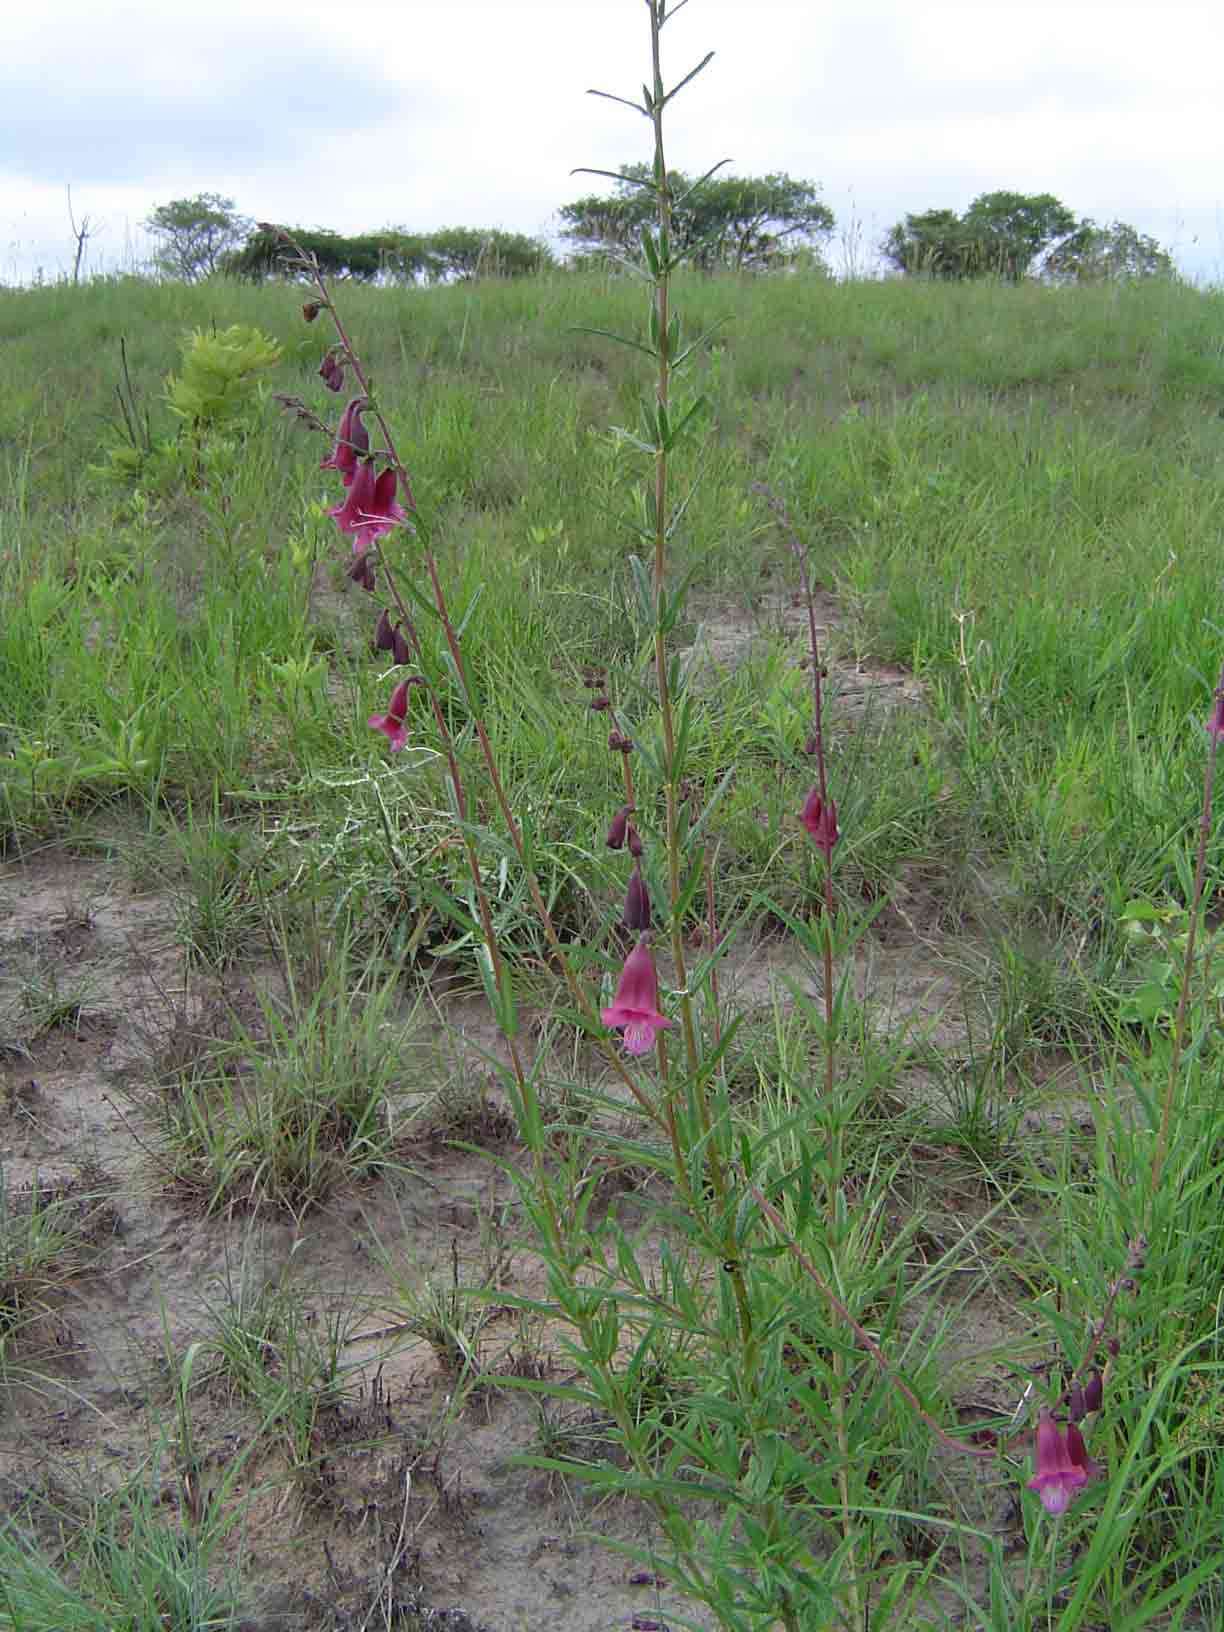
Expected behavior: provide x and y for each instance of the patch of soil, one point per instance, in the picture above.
(411, 1496)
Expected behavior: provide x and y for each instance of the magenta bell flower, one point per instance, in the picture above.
(635, 1008)
(1063, 1465)
(352, 438)
(820, 819)
(370, 508)
(391, 724)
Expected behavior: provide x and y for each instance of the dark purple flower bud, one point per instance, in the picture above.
(619, 743)
(601, 704)
(352, 439)
(400, 649)
(618, 828)
(634, 840)
(331, 372)
(1094, 1391)
(1114, 1347)
(1077, 1410)
(383, 637)
(637, 914)
(820, 819)
(362, 572)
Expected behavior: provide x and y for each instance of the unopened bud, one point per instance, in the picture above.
(634, 840)
(1077, 1408)
(362, 572)
(1094, 1392)
(618, 828)
(601, 704)
(311, 310)
(383, 638)
(637, 914)
(400, 649)
(619, 743)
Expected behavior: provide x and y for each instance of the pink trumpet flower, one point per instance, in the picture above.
(391, 724)
(370, 508)
(635, 1008)
(1063, 1465)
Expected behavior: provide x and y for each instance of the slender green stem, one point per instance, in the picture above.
(1196, 901)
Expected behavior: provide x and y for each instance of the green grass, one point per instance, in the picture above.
(1015, 494)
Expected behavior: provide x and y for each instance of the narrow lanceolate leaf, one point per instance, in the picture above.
(650, 250)
(694, 408)
(624, 102)
(701, 181)
(691, 75)
(610, 334)
(614, 175)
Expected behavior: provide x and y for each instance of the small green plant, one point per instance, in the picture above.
(1158, 938)
(278, 1115)
(270, 1345)
(216, 386)
(49, 1235)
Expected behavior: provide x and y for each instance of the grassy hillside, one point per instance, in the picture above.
(1011, 501)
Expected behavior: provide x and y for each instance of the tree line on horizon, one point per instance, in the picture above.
(721, 222)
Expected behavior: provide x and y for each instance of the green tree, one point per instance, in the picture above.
(1011, 229)
(748, 223)
(933, 243)
(469, 252)
(195, 234)
(1001, 233)
(396, 255)
(1092, 254)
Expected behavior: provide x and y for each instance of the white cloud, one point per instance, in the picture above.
(455, 111)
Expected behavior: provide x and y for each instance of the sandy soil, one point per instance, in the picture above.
(407, 1506)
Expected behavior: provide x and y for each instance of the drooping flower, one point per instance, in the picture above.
(635, 1008)
(820, 819)
(352, 438)
(370, 510)
(360, 496)
(1063, 1466)
(391, 724)
(384, 635)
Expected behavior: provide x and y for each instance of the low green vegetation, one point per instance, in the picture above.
(1010, 499)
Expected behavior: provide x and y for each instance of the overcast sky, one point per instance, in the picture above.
(359, 114)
